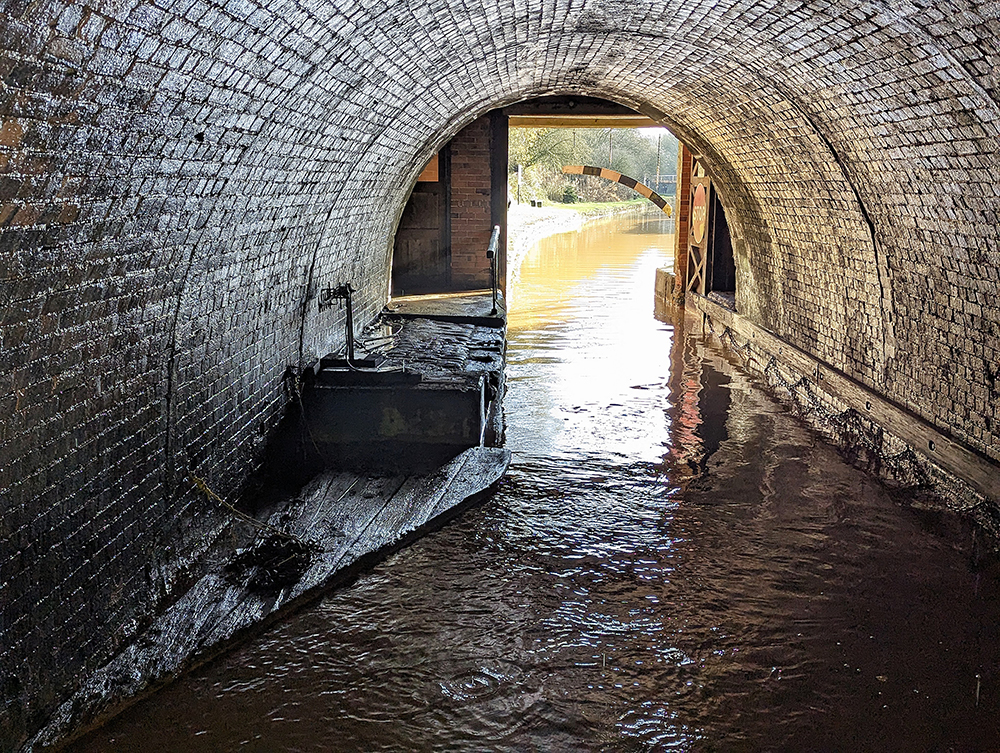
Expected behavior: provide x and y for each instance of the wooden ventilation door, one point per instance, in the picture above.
(421, 258)
(711, 266)
(699, 232)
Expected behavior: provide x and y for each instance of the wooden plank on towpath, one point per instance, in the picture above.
(969, 465)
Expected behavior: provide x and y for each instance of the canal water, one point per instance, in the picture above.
(674, 562)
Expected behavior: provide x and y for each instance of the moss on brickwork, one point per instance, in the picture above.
(180, 180)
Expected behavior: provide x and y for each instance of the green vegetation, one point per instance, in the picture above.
(587, 208)
(536, 157)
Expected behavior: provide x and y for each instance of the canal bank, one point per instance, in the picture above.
(527, 224)
(879, 435)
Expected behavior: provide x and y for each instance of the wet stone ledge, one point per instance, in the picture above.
(339, 523)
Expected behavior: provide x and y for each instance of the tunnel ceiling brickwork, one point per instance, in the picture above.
(179, 181)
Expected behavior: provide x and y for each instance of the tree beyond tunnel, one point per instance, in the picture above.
(181, 180)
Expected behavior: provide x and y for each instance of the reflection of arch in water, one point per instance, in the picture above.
(603, 172)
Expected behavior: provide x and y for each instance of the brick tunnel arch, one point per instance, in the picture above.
(799, 169)
(180, 181)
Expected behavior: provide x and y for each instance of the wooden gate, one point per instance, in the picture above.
(700, 231)
(710, 266)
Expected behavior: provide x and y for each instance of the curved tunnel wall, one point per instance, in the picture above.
(178, 180)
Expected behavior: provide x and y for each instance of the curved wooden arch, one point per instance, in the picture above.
(617, 177)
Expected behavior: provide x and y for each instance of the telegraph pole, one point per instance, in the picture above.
(659, 138)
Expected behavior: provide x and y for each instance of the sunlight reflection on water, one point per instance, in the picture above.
(674, 562)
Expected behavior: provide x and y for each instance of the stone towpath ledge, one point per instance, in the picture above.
(348, 519)
(354, 519)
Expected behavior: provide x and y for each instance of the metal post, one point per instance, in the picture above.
(491, 254)
(659, 138)
(350, 322)
(343, 292)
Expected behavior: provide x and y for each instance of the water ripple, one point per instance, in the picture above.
(674, 562)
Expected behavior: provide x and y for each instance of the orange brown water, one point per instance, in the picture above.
(675, 562)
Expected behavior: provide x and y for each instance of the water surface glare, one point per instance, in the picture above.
(674, 562)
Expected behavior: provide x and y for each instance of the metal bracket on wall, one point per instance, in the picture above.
(342, 292)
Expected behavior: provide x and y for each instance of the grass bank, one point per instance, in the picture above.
(601, 208)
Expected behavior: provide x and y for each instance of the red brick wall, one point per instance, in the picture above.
(470, 206)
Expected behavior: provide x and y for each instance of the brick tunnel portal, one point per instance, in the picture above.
(180, 180)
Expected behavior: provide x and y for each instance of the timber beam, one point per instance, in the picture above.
(980, 472)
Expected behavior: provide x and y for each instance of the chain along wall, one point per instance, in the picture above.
(180, 179)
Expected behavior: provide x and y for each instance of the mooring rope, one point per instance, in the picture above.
(293, 378)
(201, 485)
